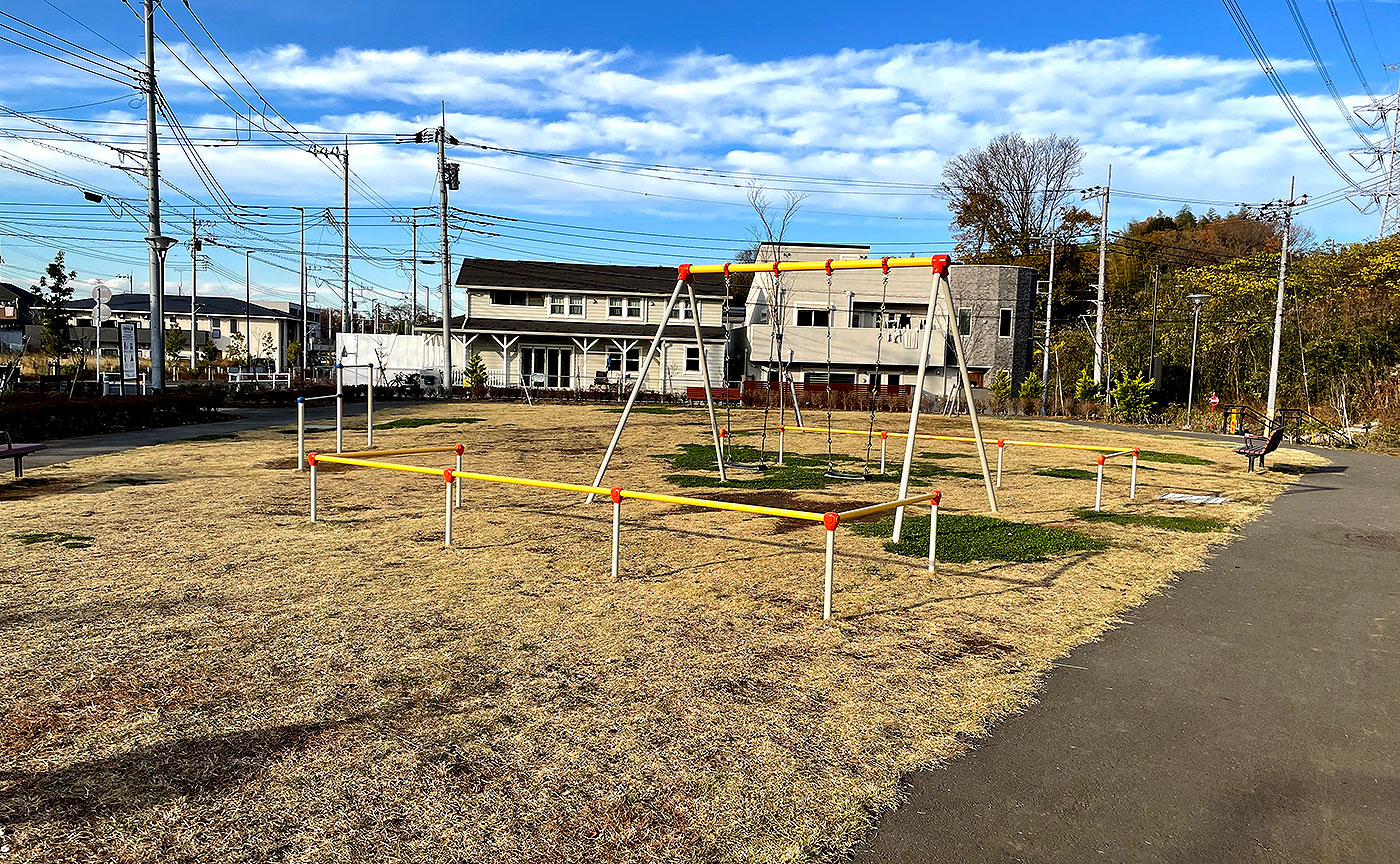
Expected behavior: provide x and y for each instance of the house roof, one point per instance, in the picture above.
(9, 290)
(180, 305)
(579, 328)
(559, 276)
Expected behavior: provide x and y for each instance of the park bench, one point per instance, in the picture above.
(1257, 446)
(11, 450)
(721, 394)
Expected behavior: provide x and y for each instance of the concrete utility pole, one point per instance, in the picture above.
(248, 307)
(195, 246)
(158, 244)
(447, 177)
(1152, 340)
(1102, 192)
(301, 274)
(345, 246)
(413, 319)
(1045, 348)
(1286, 209)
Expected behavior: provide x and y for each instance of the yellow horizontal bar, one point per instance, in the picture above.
(724, 505)
(963, 439)
(594, 490)
(390, 466)
(358, 453)
(792, 266)
(888, 505)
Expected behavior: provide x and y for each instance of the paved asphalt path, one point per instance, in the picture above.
(240, 420)
(1252, 713)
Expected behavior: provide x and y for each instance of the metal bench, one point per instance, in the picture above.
(1257, 446)
(17, 452)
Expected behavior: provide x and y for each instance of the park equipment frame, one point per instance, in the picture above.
(369, 403)
(940, 290)
(1106, 453)
(454, 477)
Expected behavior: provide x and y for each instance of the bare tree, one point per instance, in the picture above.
(1008, 195)
(771, 229)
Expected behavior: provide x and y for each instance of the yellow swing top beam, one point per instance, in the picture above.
(936, 263)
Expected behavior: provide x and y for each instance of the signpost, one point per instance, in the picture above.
(100, 312)
(128, 352)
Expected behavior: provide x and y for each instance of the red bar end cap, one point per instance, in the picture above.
(831, 520)
(616, 494)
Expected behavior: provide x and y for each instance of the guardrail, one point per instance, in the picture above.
(453, 477)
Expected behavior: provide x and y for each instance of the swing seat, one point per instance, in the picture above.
(747, 466)
(833, 474)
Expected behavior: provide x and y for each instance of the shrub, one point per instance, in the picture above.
(39, 418)
(1086, 389)
(1032, 388)
(1132, 399)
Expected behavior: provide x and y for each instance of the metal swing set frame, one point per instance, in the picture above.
(940, 292)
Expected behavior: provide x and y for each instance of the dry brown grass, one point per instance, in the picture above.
(215, 679)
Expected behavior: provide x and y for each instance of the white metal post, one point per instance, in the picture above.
(830, 563)
(457, 481)
(1098, 488)
(339, 408)
(1001, 448)
(1132, 487)
(616, 529)
(637, 389)
(369, 410)
(933, 533)
(301, 431)
(447, 488)
(313, 491)
(884, 436)
(780, 444)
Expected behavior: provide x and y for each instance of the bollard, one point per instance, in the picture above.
(301, 430)
(884, 436)
(311, 457)
(1001, 448)
(451, 481)
(933, 531)
(1132, 487)
(459, 479)
(369, 410)
(616, 493)
(1098, 489)
(831, 520)
(723, 447)
(780, 444)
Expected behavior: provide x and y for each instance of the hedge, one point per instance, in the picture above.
(41, 418)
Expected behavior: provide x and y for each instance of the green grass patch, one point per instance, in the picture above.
(701, 457)
(57, 538)
(963, 538)
(1194, 524)
(940, 471)
(799, 471)
(1067, 473)
(943, 455)
(213, 436)
(416, 422)
(1172, 458)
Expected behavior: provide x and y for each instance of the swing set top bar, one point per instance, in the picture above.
(937, 263)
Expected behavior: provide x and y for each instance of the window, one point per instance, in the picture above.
(633, 360)
(568, 305)
(813, 317)
(1005, 329)
(965, 321)
(682, 310)
(692, 359)
(624, 307)
(516, 298)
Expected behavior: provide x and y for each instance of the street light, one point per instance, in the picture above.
(160, 244)
(1197, 300)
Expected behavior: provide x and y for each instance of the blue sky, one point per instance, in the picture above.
(1166, 93)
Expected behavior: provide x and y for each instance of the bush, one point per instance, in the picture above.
(1032, 387)
(1132, 399)
(1086, 389)
(40, 418)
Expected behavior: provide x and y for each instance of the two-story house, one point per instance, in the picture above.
(17, 308)
(562, 325)
(837, 336)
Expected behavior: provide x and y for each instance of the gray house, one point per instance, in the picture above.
(18, 307)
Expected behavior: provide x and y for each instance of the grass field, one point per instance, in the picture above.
(193, 672)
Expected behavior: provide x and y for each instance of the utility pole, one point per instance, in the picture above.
(1285, 208)
(158, 244)
(1101, 192)
(1045, 348)
(413, 321)
(301, 273)
(447, 179)
(248, 307)
(195, 246)
(345, 247)
(1152, 340)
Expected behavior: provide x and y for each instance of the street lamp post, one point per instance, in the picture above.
(1197, 300)
(160, 245)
